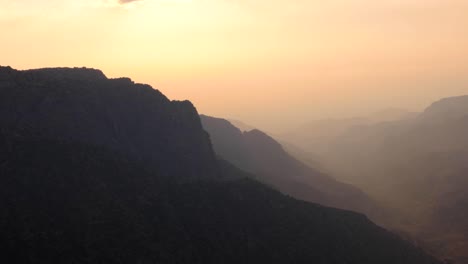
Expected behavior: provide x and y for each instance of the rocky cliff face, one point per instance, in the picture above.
(133, 119)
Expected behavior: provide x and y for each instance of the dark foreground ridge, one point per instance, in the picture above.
(68, 194)
(133, 119)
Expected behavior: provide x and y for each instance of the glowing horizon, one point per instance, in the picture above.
(268, 63)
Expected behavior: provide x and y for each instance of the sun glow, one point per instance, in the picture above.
(323, 53)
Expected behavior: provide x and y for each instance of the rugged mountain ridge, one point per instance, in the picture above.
(83, 105)
(258, 153)
(68, 195)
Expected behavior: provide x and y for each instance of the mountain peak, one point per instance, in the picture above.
(262, 139)
(83, 105)
(71, 73)
(47, 75)
(5, 72)
(451, 107)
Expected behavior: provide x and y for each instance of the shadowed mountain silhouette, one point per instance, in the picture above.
(447, 108)
(97, 170)
(133, 119)
(258, 153)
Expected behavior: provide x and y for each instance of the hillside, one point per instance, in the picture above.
(133, 119)
(418, 167)
(95, 170)
(258, 153)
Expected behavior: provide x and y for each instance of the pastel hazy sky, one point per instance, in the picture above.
(269, 63)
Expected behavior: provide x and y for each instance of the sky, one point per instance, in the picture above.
(273, 64)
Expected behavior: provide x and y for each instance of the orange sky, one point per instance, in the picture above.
(269, 63)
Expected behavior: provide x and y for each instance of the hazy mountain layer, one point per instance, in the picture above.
(417, 166)
(258, 153)
(316, 136)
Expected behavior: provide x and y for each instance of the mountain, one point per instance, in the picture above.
(390, 115)
(316, 136)
(241, 125)
(447, 108)
(70, 195)
(258, 153)
(83, 105)
(295, 151)
(72, 203)
(418, 167)
(310, 159)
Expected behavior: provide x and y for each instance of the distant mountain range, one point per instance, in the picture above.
(418, 166)
(316, 136)
(98, 170)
